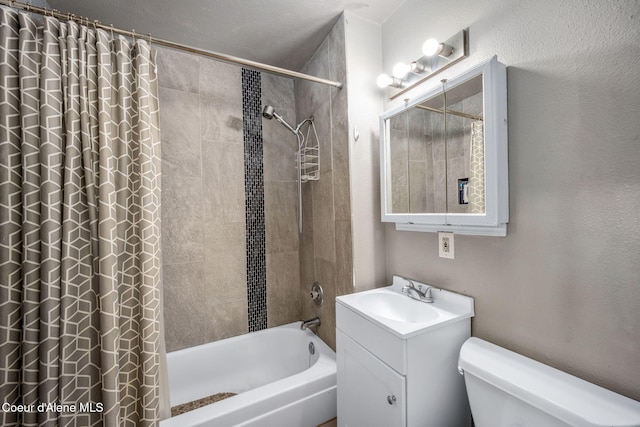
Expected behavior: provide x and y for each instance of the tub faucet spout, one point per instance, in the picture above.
(311, 323)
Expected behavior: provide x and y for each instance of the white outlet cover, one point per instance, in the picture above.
(445, 245)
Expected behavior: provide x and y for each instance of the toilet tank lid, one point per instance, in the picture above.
(564, 396)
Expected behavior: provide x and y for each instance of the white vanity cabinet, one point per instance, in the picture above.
(396, 369)
(370, 392)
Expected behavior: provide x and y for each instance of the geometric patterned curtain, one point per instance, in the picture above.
(80, 259)
(476, 191)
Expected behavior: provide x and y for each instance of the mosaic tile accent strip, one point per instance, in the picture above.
(254, 200)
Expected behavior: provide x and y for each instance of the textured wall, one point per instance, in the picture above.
(564, 286)
(364, 57)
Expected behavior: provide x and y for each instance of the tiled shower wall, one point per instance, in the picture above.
(326, 247)
(203, 201)
(281, 204)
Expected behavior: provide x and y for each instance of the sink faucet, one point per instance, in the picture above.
(413, 292)
(310, 323)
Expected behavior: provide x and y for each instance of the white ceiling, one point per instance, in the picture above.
(284, 33)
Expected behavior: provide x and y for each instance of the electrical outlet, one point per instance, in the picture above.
(445, 245)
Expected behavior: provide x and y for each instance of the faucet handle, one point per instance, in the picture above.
(410, 289)
(428, 296)
(408, 285)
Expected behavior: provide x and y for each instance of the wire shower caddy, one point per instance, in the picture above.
(309, 152)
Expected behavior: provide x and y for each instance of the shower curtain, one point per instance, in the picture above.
(476, 189)
(80, 226)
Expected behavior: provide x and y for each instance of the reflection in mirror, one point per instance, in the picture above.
(417, 151)
(437, 158)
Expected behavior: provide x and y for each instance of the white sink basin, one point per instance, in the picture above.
(398, 307)
(401, 315)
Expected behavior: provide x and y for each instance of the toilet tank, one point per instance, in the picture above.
(507, 389)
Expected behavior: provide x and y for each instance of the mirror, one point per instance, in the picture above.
(444, 153)
(428, 145)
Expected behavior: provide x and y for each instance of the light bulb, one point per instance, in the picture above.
(430, 47)
(400, 70)
(384, 80)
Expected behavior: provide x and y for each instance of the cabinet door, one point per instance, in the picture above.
(370, 393)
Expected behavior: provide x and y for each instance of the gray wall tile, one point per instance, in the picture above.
(181, 219)
(183, 312)
(279, 148)
(203, 200)
(340, 147)
(283, 278)
(178, 70)
(180, 133)
(225, 267)
(281, 203)
(323, 218)
(223, 82)
(326, 275)
(418, 187)
(278, 92)
(306, 243)
(225, 320)
(344, 258)
(325, 247)
(223, 182)
(281, 216)
(221, 122)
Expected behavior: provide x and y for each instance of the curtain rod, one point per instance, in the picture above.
(215, 55)
(453, 112)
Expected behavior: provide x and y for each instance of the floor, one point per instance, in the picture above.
(330, 423)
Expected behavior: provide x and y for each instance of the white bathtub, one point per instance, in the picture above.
(277, 381)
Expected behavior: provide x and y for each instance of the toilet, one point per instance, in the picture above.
(508, 389)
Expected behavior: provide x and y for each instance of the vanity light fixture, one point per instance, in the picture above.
(437, 56)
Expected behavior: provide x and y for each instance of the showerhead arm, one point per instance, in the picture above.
(308, 119)
(284, 123)
(269, 113)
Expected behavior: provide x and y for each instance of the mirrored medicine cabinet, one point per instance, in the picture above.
(444, 156)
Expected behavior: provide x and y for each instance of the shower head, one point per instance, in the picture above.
(268, 112)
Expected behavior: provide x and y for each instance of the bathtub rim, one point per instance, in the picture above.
(319, 378)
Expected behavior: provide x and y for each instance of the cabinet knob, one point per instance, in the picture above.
(391, 399)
